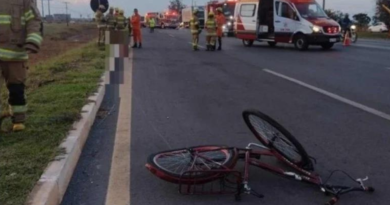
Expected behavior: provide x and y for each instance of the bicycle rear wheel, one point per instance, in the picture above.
(276, 137)
(175, 165)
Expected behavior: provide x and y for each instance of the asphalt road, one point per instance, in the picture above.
(335, 103)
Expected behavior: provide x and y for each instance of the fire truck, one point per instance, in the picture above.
(167, 19)
(228, 9)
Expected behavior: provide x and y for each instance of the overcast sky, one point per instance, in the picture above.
(81, 7)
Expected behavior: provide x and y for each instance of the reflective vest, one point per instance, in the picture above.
(20, 23)
(120, 22)
(211, 27)
(152, 23)
(99, 17)
(111, 20)
(194, 25)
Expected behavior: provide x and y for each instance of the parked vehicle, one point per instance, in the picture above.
(301, 23)
(378, 27)
(168, 19)
(186, 15)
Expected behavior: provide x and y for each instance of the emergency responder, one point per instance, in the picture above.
(211, 28)
(152, 24)
(345, 24)
(111, 20)
(101, 25)
(116, 11)
(121, 21)
(20, 36)
(195, 30)
(136, 24)
(221, 21)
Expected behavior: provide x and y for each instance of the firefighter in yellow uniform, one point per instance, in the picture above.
(111, 20)
(195, 30)
(101, 25)
(19, 36)
(211, 28)
(121, 21)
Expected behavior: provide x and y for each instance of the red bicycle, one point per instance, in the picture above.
(193, 168)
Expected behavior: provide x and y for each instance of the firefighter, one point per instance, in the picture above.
(18, 39)
(211, 28)
(116, 11)
(100, 21)
(111, 20)
(195, 30)
(220, 22)
(121, 21)
(152, 24)
(136, 24)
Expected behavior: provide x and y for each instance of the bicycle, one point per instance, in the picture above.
(194, 166)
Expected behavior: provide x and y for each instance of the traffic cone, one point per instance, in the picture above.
(347, 40)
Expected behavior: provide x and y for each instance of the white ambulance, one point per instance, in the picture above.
(301, 22)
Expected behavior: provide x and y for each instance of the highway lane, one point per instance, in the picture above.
(183, 98)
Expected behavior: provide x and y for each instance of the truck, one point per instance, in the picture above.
(187, 15)
(228, 10)
(167, 19)
(299, 22)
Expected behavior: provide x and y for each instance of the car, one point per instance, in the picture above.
(378, 27)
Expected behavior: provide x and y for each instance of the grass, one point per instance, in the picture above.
(57, 90)
(374, 35)
(59, 31)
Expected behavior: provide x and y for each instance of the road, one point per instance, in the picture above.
(336, 103)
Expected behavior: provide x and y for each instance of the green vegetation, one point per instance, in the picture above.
(57, 90)
(374, 35)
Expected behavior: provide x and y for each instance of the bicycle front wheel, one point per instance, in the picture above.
(275, 136)
(192, 165)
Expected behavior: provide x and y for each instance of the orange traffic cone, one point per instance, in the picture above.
(347, 40)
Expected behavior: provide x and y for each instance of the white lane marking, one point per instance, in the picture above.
(332, 95)
(370, 46)
(171, 35)
(198, 45)
(388, 68)
(118, 192)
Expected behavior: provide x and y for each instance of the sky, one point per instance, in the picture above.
(81, 7)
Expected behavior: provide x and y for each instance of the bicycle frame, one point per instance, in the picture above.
(249, 155)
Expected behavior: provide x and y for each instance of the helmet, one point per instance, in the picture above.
(102, 6)
(219, 9)
(211, 14)
(117, 9)
(121, 11)
(196, 11)
(111, 8)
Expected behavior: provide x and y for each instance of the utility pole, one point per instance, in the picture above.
(43, 9)
(323, 4)
(48, 5)
(66, 7)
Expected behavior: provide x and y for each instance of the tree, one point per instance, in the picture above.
(382, 14)
(176, 5)
(335, 15)
(362, 19)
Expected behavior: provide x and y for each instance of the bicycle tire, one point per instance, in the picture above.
(178, 177)
(277, 131)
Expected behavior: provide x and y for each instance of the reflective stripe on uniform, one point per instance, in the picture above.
(29, 15)
(211, 27)
(34, 38)
(15, 109)
(194, 25)
(7, 55)
(5, 19)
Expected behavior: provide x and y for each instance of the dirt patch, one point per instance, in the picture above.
(57, 43)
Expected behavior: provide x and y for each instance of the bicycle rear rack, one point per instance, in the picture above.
(225, 182)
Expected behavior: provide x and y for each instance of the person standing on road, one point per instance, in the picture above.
(345, 24)
(221, 21)
(116, 11)
(152, 24)
(211, 28)
(111, 20)
(136, 24)
(19, 30)
(195, 30)
(121, 21)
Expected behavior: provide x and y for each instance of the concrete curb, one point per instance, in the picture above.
(52, 185)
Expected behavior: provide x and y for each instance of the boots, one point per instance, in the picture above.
(219, 43)
(135, 45)
(18, 127)
(140, 45)
(208, 48)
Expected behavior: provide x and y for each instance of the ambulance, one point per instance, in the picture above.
(299, 22)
